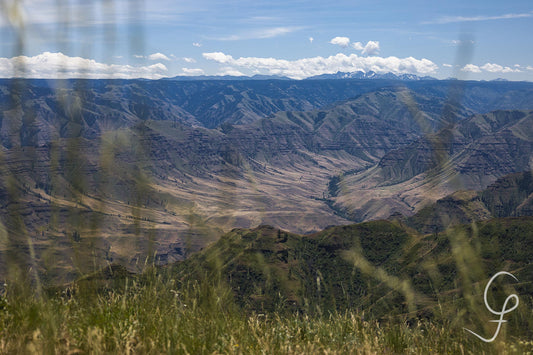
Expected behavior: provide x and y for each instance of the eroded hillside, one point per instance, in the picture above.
(100, 171)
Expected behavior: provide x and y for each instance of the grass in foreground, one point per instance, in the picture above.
(164, 316)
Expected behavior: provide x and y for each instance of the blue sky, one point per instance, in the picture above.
(466, 39)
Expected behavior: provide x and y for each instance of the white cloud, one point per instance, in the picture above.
(260, 34)
(272, 32)
(529, 67)
(496, 68)
(489, 67)
(189, 60)
(452, 19)
(371, 48)
(158, 56)
(493, 68)
(447, 65)
(457, 42)
(358, 46)
(187, 71)
(471, 68)
(305, 67)
(138, 56)
(340, 41)
(196, 44)
(57, 65)
(311, 39)
(218, 57)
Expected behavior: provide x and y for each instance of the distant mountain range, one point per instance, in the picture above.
(370, 75)
(226, 77)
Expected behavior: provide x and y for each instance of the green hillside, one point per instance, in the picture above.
(380, 268)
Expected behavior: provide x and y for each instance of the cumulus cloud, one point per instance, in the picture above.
(138, 56)
(158, 56)
(196, 44)
(57, 65)
(340, 41)
(529, 67)
(187, 71)
(447, 65)
(371, 48)
(218, 57)
(489, 67)
(471, 68)
(305, 67)
(189, 60)
(496, 68)
(311, 39)
(358, 46)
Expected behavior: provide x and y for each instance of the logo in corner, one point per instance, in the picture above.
(504, 308)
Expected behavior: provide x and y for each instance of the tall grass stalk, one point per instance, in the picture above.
(160, 315)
